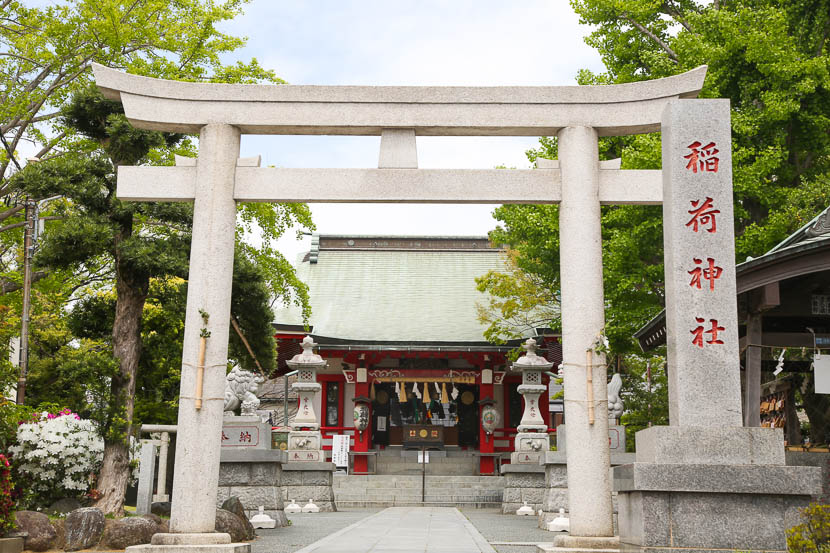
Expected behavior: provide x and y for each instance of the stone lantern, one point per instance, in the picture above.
(305, 443)
(532, 440)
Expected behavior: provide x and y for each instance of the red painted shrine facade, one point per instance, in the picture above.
(396, 320)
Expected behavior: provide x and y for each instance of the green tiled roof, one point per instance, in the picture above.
(395, 295)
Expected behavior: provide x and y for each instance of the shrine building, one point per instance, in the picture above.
(396, 319)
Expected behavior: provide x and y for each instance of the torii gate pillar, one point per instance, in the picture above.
(210, 278)
(583, 309)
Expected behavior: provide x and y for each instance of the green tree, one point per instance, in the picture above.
(518, 302)
(45, 55)
(138, 242)
(770, 58)
(645, 394)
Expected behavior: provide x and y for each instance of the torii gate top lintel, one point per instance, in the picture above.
(175, 106)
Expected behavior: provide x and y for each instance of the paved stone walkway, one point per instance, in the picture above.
(406, 529)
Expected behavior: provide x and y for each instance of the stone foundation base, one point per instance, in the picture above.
(556, 485)
(11, 545)
(304, 481)
(564, 543)
(591, 543)
(522, 483)
(187, 548)
(207, 542)
(255, 478)
(701, 508)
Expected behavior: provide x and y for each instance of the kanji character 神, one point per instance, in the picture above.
(702, 157)
(703, 215)
(710, 273)
(713, 332)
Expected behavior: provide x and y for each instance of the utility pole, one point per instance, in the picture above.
(28, 254)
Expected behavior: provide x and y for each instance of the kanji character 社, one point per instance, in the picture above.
(713, 332)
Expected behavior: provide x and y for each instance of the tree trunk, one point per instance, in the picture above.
(126, 345)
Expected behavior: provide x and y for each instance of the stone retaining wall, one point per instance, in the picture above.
(255, 477)
(522, 483)
(304, 481)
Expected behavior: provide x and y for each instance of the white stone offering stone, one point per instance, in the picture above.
(292, 508)
(525, 510)
(560, 523)
(699, 243)
(261, 520)
(310, 507)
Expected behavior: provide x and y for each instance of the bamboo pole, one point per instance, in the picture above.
(200, 371)
(589, 367)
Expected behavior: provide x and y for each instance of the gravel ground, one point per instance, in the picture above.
(305, 529)
(500, 530)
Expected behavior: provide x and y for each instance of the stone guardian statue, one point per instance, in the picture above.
(240, 391)
(615, 402)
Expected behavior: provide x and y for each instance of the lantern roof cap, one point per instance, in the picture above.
(530, 360)
(307, 357)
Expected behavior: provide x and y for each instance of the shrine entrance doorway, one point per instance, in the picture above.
(468, 416)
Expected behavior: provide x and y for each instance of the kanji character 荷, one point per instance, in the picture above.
(703, 215)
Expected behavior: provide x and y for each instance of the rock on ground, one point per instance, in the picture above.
(160, 508)
(83, 528)
(234, 505)
(228, 522)
(64, 506)
(60, 531)
(123, 533)
(39, 532)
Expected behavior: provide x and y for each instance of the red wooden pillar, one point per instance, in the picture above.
(486, 443)
(361, 439)
(544, 404)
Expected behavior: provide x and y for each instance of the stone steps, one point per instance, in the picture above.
(449, 462)
(405, 490)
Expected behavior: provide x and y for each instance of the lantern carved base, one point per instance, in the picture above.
(530, 448)
(305, 445)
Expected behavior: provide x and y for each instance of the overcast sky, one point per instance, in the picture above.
(428, 42)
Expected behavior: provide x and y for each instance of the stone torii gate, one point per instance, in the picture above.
(217, 179)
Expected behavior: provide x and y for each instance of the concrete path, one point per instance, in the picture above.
(406, 529)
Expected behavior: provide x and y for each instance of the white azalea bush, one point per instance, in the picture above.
(57, 454)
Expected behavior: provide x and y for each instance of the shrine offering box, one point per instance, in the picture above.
(423, 435)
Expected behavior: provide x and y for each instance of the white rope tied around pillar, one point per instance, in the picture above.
(582, 365)
(192, 366)
(585, 401)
